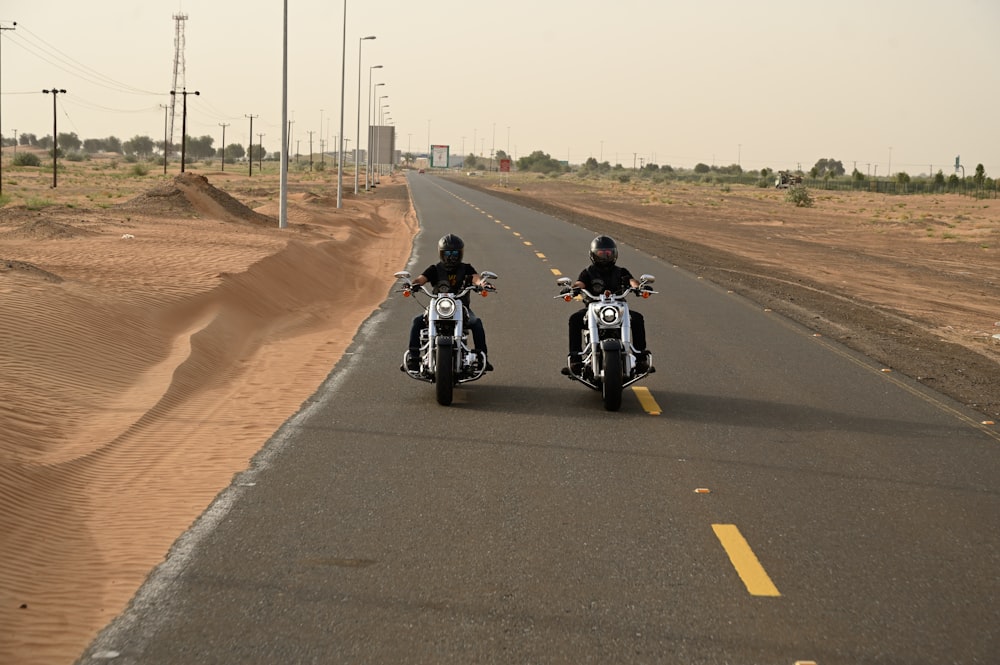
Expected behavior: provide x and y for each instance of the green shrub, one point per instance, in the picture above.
(27, 159)
(139, 169)
(799, 195)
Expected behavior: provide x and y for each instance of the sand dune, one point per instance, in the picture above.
(148, 351)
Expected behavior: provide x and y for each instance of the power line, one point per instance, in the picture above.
(44, 51)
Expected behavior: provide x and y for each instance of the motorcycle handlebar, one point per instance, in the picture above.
(641, 290)
(425, 288)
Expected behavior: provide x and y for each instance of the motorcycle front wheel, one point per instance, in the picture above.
(444, 374)
(611, 385)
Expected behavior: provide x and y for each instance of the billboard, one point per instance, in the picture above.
(382, 140)
(439, 156)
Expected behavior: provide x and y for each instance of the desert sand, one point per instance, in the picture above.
(149, 350)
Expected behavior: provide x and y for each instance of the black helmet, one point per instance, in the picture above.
(451, 249)
(603, 251)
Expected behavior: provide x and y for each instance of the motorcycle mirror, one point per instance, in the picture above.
(648, 279)
(563, 281)
(486, 274)
(403, 274)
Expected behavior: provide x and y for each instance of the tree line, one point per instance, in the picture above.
(137, 147)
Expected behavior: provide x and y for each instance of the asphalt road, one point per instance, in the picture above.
(766, 497)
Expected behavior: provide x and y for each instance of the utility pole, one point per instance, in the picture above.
(223, 125)
(310, 132)
(184, 114)
(260, 153)
(166, 141)
(250, 149)
(1, 131)
(55, 136)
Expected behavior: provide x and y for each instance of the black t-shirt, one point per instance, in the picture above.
(615, 278)
(437, 275)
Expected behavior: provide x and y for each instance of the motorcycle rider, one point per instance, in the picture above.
(602, 274)
(451, 273)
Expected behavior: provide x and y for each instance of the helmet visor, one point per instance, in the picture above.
(604, 255)
(451, 253)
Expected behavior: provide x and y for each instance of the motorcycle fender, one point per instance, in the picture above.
(612, 345)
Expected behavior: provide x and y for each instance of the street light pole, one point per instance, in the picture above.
(357, 142)
(340, 144)
(184, 113)
(55, 135)
(378, 140)
(370, 143)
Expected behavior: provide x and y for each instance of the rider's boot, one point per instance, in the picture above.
(574, 364)
(412, 363)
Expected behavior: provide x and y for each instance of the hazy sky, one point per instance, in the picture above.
(906, 84)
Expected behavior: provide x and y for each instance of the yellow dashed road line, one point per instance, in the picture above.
(646, 400)
(745, 561)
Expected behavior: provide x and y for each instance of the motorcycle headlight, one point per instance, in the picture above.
(609, 315)
(445, 307)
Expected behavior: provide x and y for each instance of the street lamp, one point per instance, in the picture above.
(357, 142)
(340, 153)
(378, 138)
(184, 113)
(371, 122)
(55, 140)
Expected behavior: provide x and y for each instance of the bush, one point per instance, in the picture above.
(27, 159)
(799, 195)
(139, 169)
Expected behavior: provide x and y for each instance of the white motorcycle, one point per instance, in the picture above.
(445, 357)
(610, 362)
